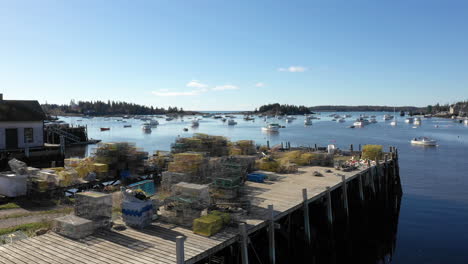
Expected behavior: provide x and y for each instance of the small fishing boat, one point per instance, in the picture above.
(465, 122)
(271, 128)
(341, 120)
(169, 118)
(153, 122)
(373, 120)
(360, 122)
(217, 117)
(185, 129)
(195, 123)
(223, 119)
(387, 117)
(126, 126)
(307, 122)
(409, 120)
(105, 128)
(424, 141)
(417, 121)
(394, 121)
(232, 122)
(146, 127)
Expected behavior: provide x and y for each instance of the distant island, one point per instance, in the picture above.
(109, 108)
(283, 109)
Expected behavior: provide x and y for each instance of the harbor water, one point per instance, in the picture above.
(434, 207)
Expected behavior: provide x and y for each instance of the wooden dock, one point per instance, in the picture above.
(157, 243)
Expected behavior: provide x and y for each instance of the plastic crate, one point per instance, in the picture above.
(147, 186)
(256, 177)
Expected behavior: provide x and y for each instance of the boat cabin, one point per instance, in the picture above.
(21, 124)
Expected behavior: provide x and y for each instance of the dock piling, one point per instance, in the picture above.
(306, 215)
(244, 239)
(361, 189)
(180, 258)
(329, 206)
(271, 232)
(345, 195)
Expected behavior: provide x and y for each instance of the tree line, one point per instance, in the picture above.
(283, 109)
(107, 108)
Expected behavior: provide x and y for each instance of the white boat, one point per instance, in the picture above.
(424, 141)
(146, 127)
(373, 120)
(394, 121)
(195, 123)
(417, 121)
(465, 122)
(153, 122)
(360, 122)
(232, 122)
(409, 120)
(307, 122)
(271, 128)
(341, 120)
(387, 117)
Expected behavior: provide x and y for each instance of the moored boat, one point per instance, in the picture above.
(271, 128)
(409, 120)
(232, 122)
(105, 128)
(424, 141)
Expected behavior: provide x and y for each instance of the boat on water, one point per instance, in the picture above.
(393, 123)
(223, 119)
(105, 128)
(146, 127)
(341, 120)
(373, 120)
(169, 118)
(271, 128)
(195, 123)
(465, 122)
(232, 122)
(217, 117)
(153, 122)
(360, 122)
(307, 122)
(207, 115)
(424, 141)
(387, 117)
(248, 118)
(127, 126)
(409, 120)
(417, 121)
(347, 115)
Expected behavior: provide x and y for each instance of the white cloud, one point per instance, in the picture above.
(260, 84)
(225, 87)
(166, 93)
(293, 69)
(196, 84)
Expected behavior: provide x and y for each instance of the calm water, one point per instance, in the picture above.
(433, 224)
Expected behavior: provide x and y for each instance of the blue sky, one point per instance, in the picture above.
(235, 55)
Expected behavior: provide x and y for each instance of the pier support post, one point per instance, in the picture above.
(244, 241)
(268, 144)
(361, 189)
(180, 258)
(271, 232)
(306, 216)
(345, 194)
(371, 176)
(329, 206)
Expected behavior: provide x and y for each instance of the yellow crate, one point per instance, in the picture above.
(207, 225)
(100, 167)
(226, 217)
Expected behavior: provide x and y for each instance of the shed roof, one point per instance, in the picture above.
(21, 110)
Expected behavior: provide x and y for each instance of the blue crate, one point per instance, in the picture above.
(256, 177)
(147, 186)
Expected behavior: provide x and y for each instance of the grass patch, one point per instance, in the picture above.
(54, 211)
(9, 206)
(28, 229)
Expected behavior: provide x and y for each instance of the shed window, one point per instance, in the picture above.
(28, 135)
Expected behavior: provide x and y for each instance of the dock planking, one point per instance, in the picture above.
(157, 243)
